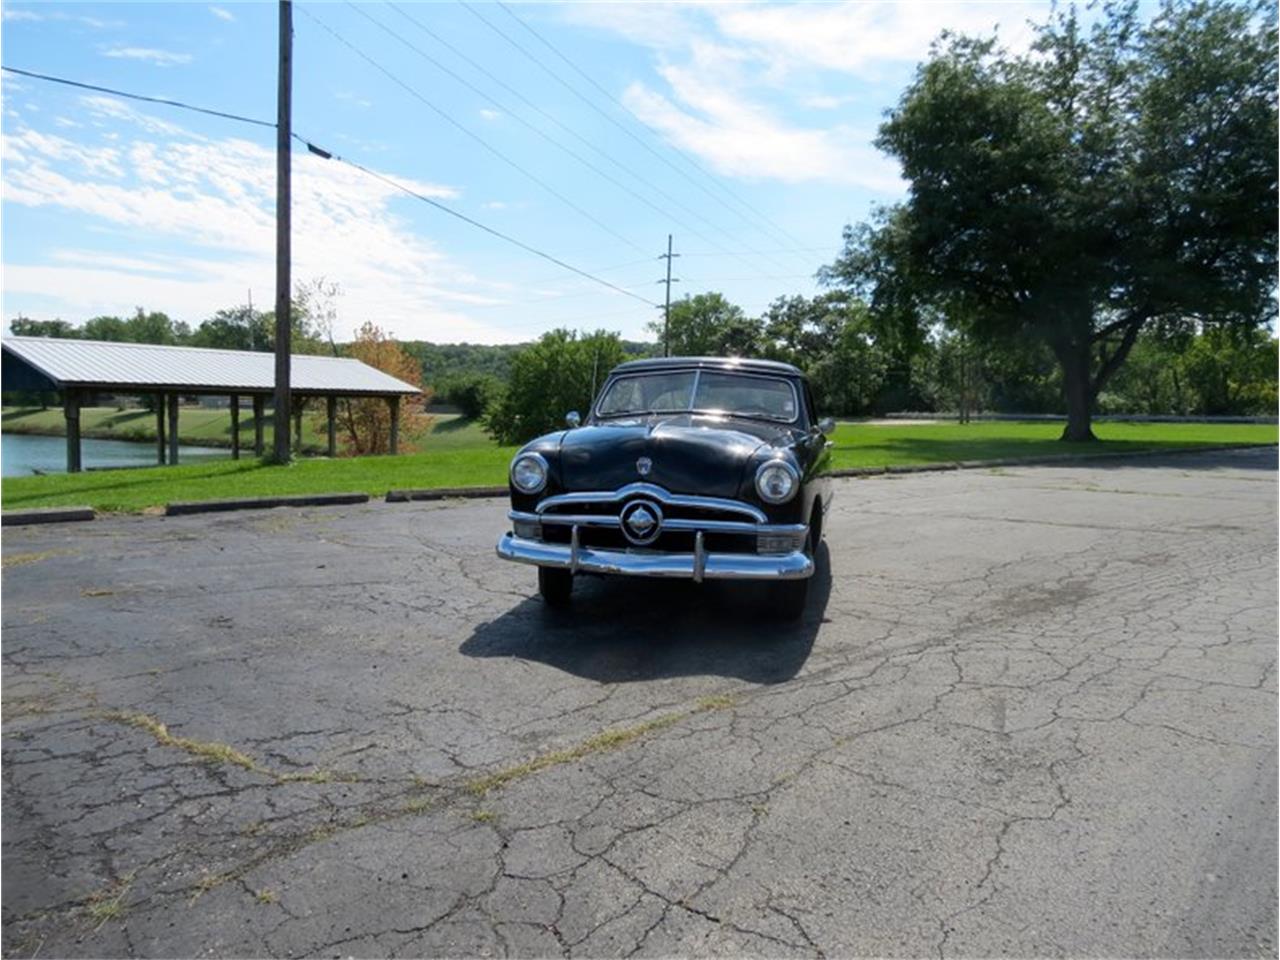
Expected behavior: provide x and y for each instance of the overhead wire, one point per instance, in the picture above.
(641, 178)
(467, 131)
(330, 155)
(137, 96)
(688, 159)
(590, 165)
(761, 222)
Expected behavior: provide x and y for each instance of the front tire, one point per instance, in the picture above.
(789, 598)
(555, 585)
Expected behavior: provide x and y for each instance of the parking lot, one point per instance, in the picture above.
(1029, 711)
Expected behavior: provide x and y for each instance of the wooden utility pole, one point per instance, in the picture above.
(666, 313)
(284, 128)
(71, 410)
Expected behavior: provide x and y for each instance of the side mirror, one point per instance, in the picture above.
(827, 425)
(572, 419)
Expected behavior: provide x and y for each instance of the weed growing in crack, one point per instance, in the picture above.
(24, 559)
(109, 904)
(209, 751)
(720, 702)
(416, 805)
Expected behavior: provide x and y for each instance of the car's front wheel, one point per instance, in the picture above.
(555, 585)
(789, 597)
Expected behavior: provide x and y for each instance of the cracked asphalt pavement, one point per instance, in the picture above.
(1029, 712)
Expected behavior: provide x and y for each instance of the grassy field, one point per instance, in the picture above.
(456, 453)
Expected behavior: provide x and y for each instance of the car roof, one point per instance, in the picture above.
(745, 364)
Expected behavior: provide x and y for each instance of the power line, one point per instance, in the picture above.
(480, 68)
(825, 246)
(541, 133)
(137, 96)
(560, 80)
(330, 155)
(468, 132)
(510, 304)
(787, 237)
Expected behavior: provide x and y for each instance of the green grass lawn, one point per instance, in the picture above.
(864, 445)
(457, 453)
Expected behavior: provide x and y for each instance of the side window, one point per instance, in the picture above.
(812, 407)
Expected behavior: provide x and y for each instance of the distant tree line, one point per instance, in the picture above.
(857, 368)
(234, 328)
(859, 364)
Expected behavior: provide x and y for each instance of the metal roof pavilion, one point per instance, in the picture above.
(145, 368)
(76, 367)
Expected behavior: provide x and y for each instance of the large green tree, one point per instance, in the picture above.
(707, 324)
(1120, 176)
(26, 327)
(831, 338)
(559, 373)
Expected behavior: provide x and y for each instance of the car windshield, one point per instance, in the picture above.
(706, 391)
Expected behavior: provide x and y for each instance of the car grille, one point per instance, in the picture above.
(727, 526)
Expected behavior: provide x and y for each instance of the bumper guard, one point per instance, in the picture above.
(698, 566)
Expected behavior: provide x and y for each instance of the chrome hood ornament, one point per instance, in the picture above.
(643, 466)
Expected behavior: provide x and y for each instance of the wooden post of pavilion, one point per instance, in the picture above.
(331, 404)
(71, 411)
(394, 404)
(173, 429)
(235, 426)
(259, 405)
(160, 457)
(299, 404)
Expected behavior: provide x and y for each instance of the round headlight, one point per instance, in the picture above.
(777, 481)
(529, 472)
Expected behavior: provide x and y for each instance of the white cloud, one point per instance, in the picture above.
(735, 73)
(858, 37)
(741, 139)
(161, 58)
(346, 96)
(222, 14)
(713, 112)
(494, 205)
(823, 101)
(488, 114)
(109, 109)
(12, 14)
(214, 200)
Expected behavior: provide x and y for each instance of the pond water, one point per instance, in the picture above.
(24, 454)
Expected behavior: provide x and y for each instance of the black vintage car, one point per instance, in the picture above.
(689, 467)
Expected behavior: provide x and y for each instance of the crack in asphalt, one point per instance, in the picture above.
(647, 789)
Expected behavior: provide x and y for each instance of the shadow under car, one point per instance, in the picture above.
(625, 629)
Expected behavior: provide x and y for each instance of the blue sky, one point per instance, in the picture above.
(743, 129)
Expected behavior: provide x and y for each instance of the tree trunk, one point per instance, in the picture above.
(1077, 389)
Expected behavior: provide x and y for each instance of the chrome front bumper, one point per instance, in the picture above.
(698, 566)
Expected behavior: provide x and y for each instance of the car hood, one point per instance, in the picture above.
(689, 454)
